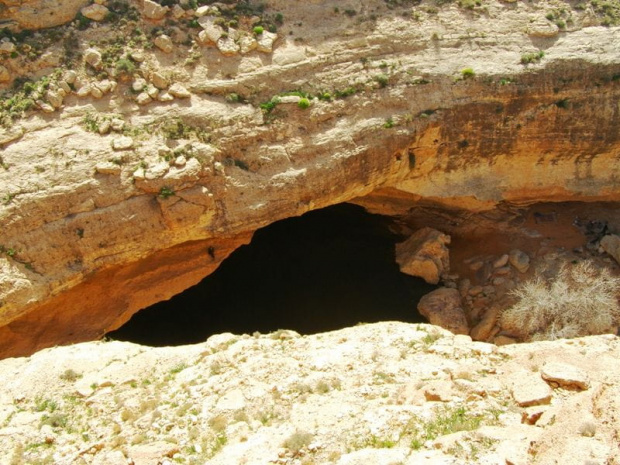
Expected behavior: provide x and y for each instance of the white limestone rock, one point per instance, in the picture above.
(95, 12)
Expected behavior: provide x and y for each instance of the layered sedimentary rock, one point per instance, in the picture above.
(99, 222)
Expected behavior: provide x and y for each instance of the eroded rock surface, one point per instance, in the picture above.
(442, 108)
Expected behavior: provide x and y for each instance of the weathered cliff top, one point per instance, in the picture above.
(381, 393)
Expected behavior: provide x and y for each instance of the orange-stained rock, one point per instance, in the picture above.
(425, 255)
(443, 308)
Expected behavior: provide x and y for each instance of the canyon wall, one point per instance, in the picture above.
(448, 107)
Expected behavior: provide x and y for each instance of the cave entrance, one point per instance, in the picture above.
(325, 270)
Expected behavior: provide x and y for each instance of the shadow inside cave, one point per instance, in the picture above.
(326, 270)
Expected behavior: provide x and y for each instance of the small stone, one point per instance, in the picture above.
(265, 41)
(164, 43)
(54, 98)
(564, 375)
(84, 91)
(611, 245)
(178, 91)
(107, 167)
(165, 97)
(177, 12)
(138, 85)
(227, 46)
(5, 76)
(212, 31)
(104, 127)
(501, 261)
(143, 98)
(498, 281)
(247, 44)
(64, 86)
(503, 271)
(475, 290)
(202, 11)
(503, 340)
(117, 124)
(180, 161)
(122, 143)
(96, 92)
(152, 10)
(152, 91)
(46, 107)
(530, 390)
(7, 47)
(519, 260)
(93, 57)
(105, 85)
(159, 80)
(137, 56)
(69, 76)
(475, 266)
(95, 12)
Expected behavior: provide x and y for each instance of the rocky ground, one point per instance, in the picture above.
(385, 393)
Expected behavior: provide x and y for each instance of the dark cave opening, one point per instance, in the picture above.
(325, 270)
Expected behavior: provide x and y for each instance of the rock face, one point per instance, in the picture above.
(443, 308)
(392, 114)
(40, 14)
(371, 394)
(425, 255)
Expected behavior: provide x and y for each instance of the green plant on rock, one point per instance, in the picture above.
(467, 73)
(297, 441)
(533, 57)
(303, 103)
(258, 30)
(166, 192)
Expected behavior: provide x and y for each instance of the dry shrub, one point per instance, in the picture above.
(581, 299)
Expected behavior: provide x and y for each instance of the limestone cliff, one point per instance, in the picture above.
(151, 155)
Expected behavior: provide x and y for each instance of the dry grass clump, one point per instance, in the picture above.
(580, 300)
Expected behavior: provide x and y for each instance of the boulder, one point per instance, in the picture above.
(211, 31)
(4, 74)
(152, 10)
(443, 307)
(93, 57)
(425, 255)
(564, 375)
(611, 245)
(95, 12)
(178, 91)
(483, 330)
(164, 43)
(265, 41)
(528, 390)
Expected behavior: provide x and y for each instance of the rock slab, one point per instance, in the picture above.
(424, 255)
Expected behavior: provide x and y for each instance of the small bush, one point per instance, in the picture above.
(258, 30)
(303, 103)
(70, 375)
(467, 73)
(580, 300)
(166, 192)
(298, 441)
(534, 57)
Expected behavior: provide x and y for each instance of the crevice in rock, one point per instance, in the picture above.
(325, 270)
